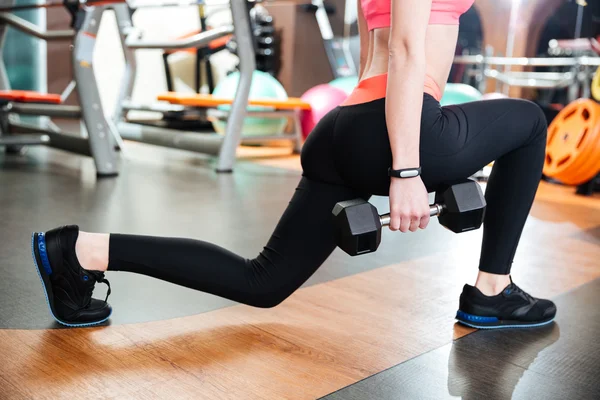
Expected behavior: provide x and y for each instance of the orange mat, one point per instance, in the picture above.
(207, 100)
(27, 96)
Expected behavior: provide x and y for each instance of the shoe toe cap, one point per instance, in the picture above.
(548, 307)
(97, 311)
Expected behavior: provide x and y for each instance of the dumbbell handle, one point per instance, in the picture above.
(434, 210)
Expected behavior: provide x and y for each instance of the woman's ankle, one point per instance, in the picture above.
(91, 250)
(491, 284)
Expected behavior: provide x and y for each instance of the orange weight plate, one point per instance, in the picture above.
(572, 146)
(589, 167)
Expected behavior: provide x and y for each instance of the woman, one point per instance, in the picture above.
(389, 138)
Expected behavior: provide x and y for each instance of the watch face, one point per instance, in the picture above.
(409, 173)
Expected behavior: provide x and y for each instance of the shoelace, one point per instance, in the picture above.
(524, 293)
(98, 277)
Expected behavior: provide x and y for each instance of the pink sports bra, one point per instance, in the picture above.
(443, 12)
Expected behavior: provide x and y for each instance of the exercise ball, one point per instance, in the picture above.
(493, 96)
(322, 99)
(346, 83)
(458, 93)
(263, 86)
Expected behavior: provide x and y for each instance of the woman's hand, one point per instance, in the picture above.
(409, 204)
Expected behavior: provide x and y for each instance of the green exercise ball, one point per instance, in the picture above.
(346, 84)
(458, 93)
(263, 86)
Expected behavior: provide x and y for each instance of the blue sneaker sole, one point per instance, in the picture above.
(41, 276)
(475, 321)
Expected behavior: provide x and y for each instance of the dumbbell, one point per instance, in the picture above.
(459, 208)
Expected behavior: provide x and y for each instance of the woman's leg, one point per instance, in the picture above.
(456, 142)
(467, 137)
(301, 242)
(464, 139)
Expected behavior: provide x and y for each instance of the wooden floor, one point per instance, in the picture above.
(323, 338)
(554, 362)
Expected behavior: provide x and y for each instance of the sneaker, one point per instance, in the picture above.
(68, 287)
(512, 308)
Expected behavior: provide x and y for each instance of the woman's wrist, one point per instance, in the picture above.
(403, 163)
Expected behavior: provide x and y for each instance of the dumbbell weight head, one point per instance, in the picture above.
(357, 227)
(464, 206)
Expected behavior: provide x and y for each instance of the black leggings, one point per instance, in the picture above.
(345, 157)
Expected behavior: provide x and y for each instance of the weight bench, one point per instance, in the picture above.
(209, 101)
(289, 108)
(202, 54)
(28, 96)
(86, 16)
(9, 100)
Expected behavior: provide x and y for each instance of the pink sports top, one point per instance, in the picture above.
(443, 12)
(377, 14)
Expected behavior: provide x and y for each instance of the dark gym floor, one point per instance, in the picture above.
(558, 361)
(390, 311)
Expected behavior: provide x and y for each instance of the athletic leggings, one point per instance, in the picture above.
(347, 156)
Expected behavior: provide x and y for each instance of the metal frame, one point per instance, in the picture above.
(334, 46)
(100, 131)
(528, 61)
(33, 30)
(576, 79)
(223, 146)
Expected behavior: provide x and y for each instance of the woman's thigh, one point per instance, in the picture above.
(464, 138)
(455, 141)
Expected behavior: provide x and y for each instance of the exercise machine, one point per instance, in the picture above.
(337, 48)
(265, 41)
(576, 79)
(101, 134)
(202, 54)
(200, 106)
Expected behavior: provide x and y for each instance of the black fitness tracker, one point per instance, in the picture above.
(404, 173)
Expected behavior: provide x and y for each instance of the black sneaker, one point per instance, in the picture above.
(512, 308)
(67, 286)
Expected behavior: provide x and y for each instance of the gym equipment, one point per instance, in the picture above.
(337, 49)
(263, 86)
(346, 83)
(575, 79)
(86, 17)
(494, 96)
(459, 93)
(596, 85)
(265, 46)
(203, 68)
(590, 187)
(197, 106)
(22, 7)
(459, 207)
(322, 99)
(573, 147)
(265, 41)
